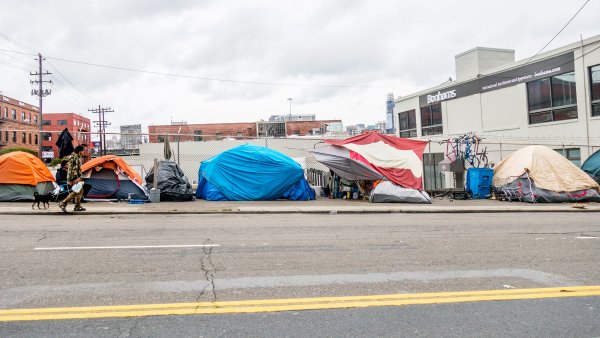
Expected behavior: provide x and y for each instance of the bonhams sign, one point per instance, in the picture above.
(526, 73)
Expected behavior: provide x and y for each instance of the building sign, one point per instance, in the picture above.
(48, 154)
(560, 64)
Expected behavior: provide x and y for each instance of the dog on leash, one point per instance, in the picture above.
(44, 199)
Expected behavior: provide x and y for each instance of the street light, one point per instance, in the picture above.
(290, 99)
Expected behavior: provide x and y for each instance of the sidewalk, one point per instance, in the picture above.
(321, 205)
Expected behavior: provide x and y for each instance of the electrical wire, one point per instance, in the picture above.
(560, 31)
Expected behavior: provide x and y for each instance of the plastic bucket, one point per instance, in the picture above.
(154, 195)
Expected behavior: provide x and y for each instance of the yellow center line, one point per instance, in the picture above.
(294, 304)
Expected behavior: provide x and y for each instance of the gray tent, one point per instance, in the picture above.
(388, 192)
(338, 160)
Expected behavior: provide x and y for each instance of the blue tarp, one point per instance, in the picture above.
(592, 164)
(252, 173)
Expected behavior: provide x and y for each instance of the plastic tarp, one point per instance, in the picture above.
(592, 166)
(400, 160)
(338, 159)
(548, 169)
(19, 167)
(525, 189)
(252, 173)
(171, 181)
(387, 192)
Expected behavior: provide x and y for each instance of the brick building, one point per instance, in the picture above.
(54, 123)
(19, 124)
(241, 130)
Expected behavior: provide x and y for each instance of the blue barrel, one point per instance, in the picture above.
(479, 182)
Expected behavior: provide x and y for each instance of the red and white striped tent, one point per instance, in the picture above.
(375, 155)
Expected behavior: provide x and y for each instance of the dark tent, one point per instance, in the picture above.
(173, 184)
(112, 178)
(592, 166)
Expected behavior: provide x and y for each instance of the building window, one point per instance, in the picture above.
(23, 138)
(552, 99)
(35, 119)
(61, 122)
(161, 138)
(46, 122)
(14, 114)
(46, 136)
(240, 135)
(197, 135)
(23, 116)
(14, 137)
(431, 120)
(595, 78)
(219, 136)
(408, 123)
(35, 138)
(572, 154)
(29, 138)
(6, 136)
(5, 112)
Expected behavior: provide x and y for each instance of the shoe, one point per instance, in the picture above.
(62, 206)
(79, 208)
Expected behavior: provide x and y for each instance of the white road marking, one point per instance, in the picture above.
(586, 237)
(127, 247)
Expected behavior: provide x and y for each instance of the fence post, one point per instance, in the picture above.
(500, 151)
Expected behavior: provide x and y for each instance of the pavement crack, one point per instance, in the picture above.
(43, 237)
(209, 270)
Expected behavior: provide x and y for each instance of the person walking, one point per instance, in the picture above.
(74, 177)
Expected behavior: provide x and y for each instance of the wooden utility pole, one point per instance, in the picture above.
(102, 123)
(40, 93)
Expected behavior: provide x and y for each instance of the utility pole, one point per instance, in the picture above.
(102, 123)
(40, 93)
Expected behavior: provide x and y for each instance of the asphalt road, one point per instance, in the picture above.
(59, 261)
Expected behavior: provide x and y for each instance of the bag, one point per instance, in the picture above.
(77, 187)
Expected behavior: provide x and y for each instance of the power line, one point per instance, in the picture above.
(71, 83)
(560, 31)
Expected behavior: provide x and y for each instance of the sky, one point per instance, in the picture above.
(240, 61)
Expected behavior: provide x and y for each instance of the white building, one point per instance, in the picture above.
(552, 98)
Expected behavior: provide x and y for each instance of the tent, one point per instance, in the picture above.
(592, 166)
(252, 173)
(171, 181)
(540, 174)
(112, 178)
(374, 156)
(388, 192)
(22, 175)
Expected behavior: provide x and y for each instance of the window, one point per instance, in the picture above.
(161, 138)
(240, 135)
(46, 136)
(23, 138)
(572, 154)
(595, 79)
(14, 137)
(5, 115)
(431, 120)
(14, 114)
(29, 138)
(197, 135)
(408, 123)
(61, 122)
(552, 99)
(219, 136)
(23, 116)
(6, 136)
(35, 138)
(46, 122)
(35, 119)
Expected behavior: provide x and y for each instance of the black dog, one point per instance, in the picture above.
(45, 199)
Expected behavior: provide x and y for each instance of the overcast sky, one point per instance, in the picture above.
(336, 59)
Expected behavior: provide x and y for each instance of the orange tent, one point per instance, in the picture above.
(23, 168)
(112, 162)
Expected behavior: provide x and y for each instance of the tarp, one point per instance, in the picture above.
(592, 165)
(251, 173)
(19, 167)
(388, 192)
(548, 169)
(338, 159)
(65, 143)
(400, 160)
(171, 181)
(524, 189)
(112, 178)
